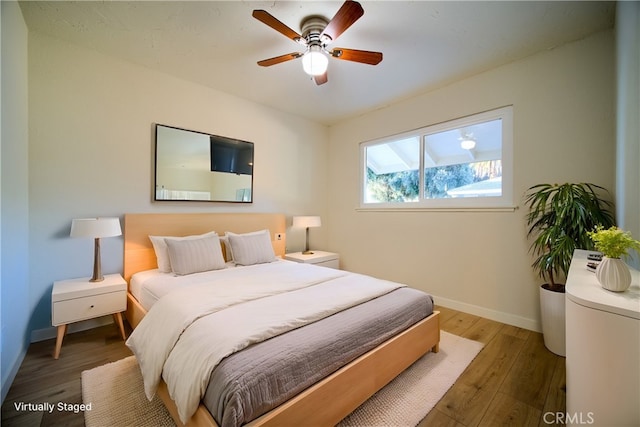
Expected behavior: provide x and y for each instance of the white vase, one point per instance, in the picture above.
(613, 274)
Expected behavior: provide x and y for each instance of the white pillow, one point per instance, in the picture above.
(251, 248)
(195, 255)
(160, 248)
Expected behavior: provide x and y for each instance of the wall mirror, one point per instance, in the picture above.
(196, 166)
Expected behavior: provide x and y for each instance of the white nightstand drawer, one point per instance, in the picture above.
(74, 310)
(333, 263)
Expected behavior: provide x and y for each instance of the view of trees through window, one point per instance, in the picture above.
(462, 163)
(404, 186)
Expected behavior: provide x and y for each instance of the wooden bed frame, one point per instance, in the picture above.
(328, 401)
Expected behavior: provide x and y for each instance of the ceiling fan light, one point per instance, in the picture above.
(468, 144)
(315, 62)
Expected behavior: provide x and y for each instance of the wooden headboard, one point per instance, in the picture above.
(138, 250)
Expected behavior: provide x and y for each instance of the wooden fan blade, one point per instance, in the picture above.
(364, 56)
(348, 13)
(268, 19)
(278, 59)
(321, 79)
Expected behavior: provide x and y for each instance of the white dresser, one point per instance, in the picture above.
(322, 258)
(603, 349)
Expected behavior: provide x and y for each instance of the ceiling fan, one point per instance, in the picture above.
(317, 34)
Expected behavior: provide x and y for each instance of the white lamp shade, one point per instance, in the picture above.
(95, 227)
(306, 221)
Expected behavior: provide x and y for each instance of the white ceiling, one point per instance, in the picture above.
(426, 44)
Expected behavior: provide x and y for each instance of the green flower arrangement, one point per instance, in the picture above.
(613, 242)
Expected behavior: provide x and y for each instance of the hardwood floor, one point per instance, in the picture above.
(513, 381)
(41, 378)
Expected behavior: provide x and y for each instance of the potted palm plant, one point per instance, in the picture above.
(559, 219)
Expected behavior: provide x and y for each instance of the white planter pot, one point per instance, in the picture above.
(613, 274)
(552, 310)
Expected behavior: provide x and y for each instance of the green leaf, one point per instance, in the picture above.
(559, 220)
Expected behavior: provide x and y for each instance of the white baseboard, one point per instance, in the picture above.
(48, 333)
(498, 316)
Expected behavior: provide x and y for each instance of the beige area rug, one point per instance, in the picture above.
(117, 398)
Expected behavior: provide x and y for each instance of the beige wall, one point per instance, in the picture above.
(627, 114)
(91, 148)
(478, 261)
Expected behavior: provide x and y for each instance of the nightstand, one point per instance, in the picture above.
(325, 259)
(79, 299)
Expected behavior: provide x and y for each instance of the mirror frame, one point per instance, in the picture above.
(226, 140)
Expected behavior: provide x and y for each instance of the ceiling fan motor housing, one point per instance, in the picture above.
(312, 28)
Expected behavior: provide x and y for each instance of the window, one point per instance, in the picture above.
(463, 163)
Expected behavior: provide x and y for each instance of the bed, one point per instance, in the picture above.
(369, 365)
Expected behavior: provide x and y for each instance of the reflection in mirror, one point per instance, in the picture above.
(196, 166)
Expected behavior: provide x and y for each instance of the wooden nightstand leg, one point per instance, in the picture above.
(117, 318)
(62, 329)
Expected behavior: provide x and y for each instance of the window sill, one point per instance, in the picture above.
(445, 209)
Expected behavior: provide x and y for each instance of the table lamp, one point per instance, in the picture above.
(96, 228)
(306, 222)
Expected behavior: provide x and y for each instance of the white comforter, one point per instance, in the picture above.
(189, 331)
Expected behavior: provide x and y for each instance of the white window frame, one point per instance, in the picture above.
(503, 202)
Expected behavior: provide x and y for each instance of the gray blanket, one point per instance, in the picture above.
(253, 381)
